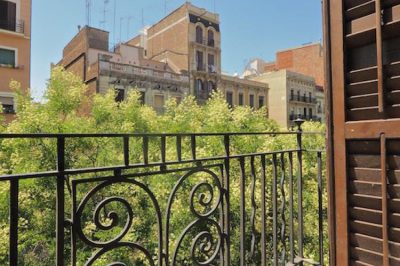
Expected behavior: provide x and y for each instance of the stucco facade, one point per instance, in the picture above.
(291, 95)
(122, 69)
(15, 47)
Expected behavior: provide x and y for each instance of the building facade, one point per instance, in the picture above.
(291, 95)
(121, 68)
(15, 47)
(189, 40)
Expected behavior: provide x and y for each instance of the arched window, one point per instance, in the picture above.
(211, 41)
(199, 34)
(199, 86)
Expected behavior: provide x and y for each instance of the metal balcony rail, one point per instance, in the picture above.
(242, 208)
(305, 99)
(210, 43)
(293, 117)
(17, 26)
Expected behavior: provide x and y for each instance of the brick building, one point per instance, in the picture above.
(15, 47)
(189, 41)
(121, 68)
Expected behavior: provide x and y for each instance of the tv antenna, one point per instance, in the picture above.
(103, 23)
(88, 11)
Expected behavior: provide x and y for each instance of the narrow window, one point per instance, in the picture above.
(199, 34)
(199, 58)
(211, 64)
(241, 102)
(251, 100)
(229, 98)
(119, 95)
(8, 15)
(211, 41)
(260, 101)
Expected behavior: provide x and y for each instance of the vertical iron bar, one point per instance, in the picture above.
(145, 149)
(291, 236)
(242, 212)
(126, 150)
(274, 210)
(300, 192)
(282, 208)
(179, 148)
(379, 53)
(163, 148)
(60, 201)
(385, 233)
(73, 229)
(14, 191)
(320, 216)
(227, 222)
(253, 210)
(263, 214)
(193, 146)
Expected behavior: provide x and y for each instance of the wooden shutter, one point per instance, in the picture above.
(362, 40)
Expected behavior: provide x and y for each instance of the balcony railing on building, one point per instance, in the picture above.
(17, 26)
(303, 99)
(241, 207)
(293, 117)
(209, 43)
(141, 71)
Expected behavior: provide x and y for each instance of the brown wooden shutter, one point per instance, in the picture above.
(362, 38)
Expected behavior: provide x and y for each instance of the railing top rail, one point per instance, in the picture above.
(111, 135)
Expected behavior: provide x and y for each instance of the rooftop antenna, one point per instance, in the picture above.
(128, 29)
(103, 23)
(88, 11)
(120, 29)
(115, 14)
(142, 17)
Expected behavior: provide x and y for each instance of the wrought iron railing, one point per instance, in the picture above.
(17, 26)
(233, 208)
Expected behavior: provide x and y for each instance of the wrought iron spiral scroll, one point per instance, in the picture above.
(115, 242)
(205, 241)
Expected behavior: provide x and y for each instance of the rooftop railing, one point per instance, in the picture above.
(177, 207)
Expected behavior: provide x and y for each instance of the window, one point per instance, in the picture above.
(211, 65)
(7, 105)
(142, 97)
(199, 85)
(199, 59)
(291, 95)
(309, 97)
(119, 95)
(211, 38)
(251, 100)
(159, 101)
(229, 98)
(8, 15)
(305, 112)
(304, 97)
(178, 99)
(241, 99)
(298, 95)
(211, 86)
(260, 101)
(199, 34)
(7, 57)
(310, 112)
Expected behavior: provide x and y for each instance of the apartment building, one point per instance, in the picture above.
(291, 95)
(121, 68)
(15, 47)
(189, 41)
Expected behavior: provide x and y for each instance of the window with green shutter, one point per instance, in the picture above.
(7, 57)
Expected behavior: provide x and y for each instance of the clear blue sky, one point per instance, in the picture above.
(249, 28)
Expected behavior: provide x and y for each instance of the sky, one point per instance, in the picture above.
(249, 28)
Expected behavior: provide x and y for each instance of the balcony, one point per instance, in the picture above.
(208, 43)
(303, 99)
(293, 117)
(131, 70)
(241, 208)
(14, 26)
